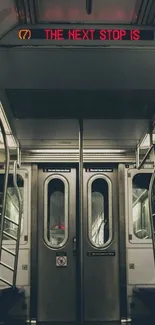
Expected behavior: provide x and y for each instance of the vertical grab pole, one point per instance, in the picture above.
(137, 156)
(80, 302)
(7, 162)
(19, 222)
(150, 206)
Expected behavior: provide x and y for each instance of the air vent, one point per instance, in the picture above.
(30, 157)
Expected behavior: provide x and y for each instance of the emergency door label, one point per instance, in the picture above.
(61, 259)
(99, 170)
(91, 254)
(56, 170)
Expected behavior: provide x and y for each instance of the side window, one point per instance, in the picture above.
(56, 211)
(12, 205)
(100, 211)
(140, 206)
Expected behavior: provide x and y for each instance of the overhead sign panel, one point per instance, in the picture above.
(86, 34)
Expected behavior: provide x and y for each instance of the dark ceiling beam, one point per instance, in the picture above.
(32, 11)
(148, 12)
(89, 6)
(26, 11)
(20, 8)
(144, 11)
(151, 17)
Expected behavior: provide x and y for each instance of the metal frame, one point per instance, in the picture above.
(8, 113)
(20, 201)
(139, 164)
(80, 236)
(7, 162)
(34, 245)
(135, 240)
(150, 212)
(122, 243)
(151, 16)
(91, 180)
(148, 10)
(20, 5)
(135, 246)
(32, 11)
(142, 11)
(145, 157)
(66, 195)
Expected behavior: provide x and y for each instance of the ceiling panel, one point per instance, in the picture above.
(77, 68)
(26, 104)
(64, 133)
(101, 11)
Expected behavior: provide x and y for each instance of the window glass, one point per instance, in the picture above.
(140, 206)
(153, 200)
(103, 11)
(57, 212)
(8, 16)
(12, 205)
(99, 212)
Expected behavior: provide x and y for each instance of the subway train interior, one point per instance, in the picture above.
(77, 162)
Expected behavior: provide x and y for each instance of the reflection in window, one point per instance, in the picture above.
(8, 15)
(99, 212)
(140, 206)
(12, 205)
(103, 11)
(153, 200)
(7, 7)
(56, 212)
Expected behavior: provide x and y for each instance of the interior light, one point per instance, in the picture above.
(77, 151)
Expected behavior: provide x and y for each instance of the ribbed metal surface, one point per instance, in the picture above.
(29, 157)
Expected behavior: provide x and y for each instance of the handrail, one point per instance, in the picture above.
(143, 194)
(145, 157)
(150, 210)
(7, 162)
(19, 221)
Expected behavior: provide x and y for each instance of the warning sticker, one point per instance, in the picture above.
(98, 170)
(89, 254)
(61, 259)
(56, 170)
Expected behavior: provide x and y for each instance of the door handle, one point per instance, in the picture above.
(74, 245)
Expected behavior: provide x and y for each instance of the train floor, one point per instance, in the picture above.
(137, 322)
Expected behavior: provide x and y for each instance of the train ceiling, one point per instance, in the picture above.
(59, 103)
(133, 12)
(103, 83)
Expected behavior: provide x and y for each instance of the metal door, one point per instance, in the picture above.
(57, 260)
(101, 249)
(56, 234)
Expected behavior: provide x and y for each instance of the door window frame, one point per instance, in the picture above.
(134, 240)
(89, 202)
(66, 210)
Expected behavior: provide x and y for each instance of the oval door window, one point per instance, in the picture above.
(100, 211)
(56, 211)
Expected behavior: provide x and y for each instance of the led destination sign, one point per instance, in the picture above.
(86, 34)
